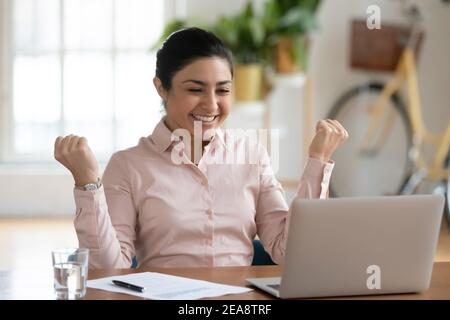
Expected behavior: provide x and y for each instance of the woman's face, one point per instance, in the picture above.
(201, 91)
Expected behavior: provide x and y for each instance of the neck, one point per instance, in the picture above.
(197, 150)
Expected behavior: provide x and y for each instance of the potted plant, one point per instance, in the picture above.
(288, 24)
(244, 34)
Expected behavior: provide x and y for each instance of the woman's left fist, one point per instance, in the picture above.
(330, 134)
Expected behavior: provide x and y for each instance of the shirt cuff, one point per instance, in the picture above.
(88, 199)
(320, 170)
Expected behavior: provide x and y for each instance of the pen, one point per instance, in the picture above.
(128, 286)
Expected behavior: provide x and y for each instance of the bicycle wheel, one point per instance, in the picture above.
(370, 171)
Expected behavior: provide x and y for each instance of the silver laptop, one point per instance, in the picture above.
(358, 246)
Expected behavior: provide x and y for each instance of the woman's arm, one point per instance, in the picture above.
(272, 214)
(105, 220)
(107, 228)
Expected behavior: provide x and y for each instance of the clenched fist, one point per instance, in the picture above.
(74, 153)
(330, 134)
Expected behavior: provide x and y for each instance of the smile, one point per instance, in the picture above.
(204, 118)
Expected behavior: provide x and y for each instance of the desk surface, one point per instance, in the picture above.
(38, 284)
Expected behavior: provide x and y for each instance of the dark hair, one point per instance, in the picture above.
(183, 47)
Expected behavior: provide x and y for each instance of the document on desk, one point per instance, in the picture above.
(159, 286)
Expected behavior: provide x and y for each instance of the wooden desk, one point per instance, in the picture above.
(38, 284)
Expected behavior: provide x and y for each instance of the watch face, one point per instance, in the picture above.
(91, 186)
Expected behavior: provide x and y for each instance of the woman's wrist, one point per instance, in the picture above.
(82, 181)
(319, 157)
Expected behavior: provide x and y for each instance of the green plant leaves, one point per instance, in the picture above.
(252, 38)
(169, 28)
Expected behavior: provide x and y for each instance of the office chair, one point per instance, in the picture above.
(260, 257)
(134, 263)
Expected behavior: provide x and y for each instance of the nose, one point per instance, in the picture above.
(210, 102)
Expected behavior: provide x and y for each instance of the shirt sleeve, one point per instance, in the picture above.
(105, 218)
(272, 212)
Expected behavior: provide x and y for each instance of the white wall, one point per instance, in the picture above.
(32, 192)
(35, 192)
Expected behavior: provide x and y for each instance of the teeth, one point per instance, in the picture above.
(203, 118)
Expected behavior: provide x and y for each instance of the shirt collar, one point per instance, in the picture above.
(220, 136)
(162, 136)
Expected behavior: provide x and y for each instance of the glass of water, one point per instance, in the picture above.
(70, 268)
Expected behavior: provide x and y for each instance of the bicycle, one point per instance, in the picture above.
(386, 152)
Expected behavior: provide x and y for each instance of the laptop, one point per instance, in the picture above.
(358, 246)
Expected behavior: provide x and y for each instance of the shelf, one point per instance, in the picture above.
(288, 80)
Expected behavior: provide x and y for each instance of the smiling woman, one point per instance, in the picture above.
(194, 212)
(199, 93)
(198, 90)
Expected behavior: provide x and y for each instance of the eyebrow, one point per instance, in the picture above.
(220, 83)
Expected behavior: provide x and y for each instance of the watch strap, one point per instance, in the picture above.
(91, 186)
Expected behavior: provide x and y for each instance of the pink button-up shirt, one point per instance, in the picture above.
(172, 215)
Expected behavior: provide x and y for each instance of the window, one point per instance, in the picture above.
(81, 67)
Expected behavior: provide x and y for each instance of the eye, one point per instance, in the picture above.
(195, 90)
(224, 91)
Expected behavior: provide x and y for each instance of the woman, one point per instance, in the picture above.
(192, 213)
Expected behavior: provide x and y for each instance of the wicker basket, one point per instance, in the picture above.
(378, 49)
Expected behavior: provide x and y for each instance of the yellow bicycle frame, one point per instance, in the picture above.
(406, 72)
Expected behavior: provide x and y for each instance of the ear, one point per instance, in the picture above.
(159, 87)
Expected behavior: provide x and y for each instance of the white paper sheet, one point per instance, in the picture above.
(159, 286)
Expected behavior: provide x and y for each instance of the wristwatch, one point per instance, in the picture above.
(92, 186)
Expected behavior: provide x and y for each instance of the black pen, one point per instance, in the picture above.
(128, 286)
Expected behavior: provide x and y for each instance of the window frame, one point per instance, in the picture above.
(172, 9)
(5, 80)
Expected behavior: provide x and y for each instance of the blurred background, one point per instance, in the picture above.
(86, 67)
